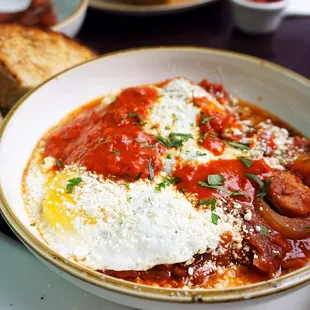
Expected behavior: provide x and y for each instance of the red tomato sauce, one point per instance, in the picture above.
(233, 172)
(111, 141)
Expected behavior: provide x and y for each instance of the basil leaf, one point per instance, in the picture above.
(245, 161)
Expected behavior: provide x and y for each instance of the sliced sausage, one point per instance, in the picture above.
(288, 195)
(301, 167)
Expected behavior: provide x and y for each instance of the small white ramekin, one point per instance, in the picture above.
(258, 18)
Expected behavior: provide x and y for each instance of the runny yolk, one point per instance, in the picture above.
(59, 207)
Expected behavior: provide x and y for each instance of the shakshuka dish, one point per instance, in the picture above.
(173, 184)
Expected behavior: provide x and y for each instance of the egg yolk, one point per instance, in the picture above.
(59, 206)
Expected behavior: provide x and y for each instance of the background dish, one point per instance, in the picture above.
(70, 14)
(245, 77)
(119, 6)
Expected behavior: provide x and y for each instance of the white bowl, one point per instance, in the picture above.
(71, 15)
(258, 18)
(279, 90)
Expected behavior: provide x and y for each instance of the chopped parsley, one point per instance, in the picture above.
(264, 186)
(115, 152)
(264, 230)
(174, 139)
(238, 145)
(247, 162)
(138, 118)
(198, 153)
(169, 156)
(212, 203)
(59, 163)
(33, 224)
(100, 140)
(134, 115)
(214, 218)
(151, 169)
(166, 181)
(72, 183)
(255, 178)
(215, 181)
(144, 144)
(205, 201)
(206, 119)
(138, 176)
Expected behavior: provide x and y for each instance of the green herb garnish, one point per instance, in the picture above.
(264, 186)
(255, 178)
(169, 156)
(138, 117)
(138, 176)
(215, 179)
(214, 218)
(144, 144)
(247, 162)
(59, 163)
(205, 201)
(33, 224)
(238, 146)
(264, 230)
(115, 152)
(151, 169)
(133, 115)
(174, 139)
(206, 119)
(166, 181)
(72, 183)
(198, 153)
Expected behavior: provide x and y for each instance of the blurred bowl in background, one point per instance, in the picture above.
(70, 14)
(256, 17)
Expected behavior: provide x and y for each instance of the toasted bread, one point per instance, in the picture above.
(28, 56)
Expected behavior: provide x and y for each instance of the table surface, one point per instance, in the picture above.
(208, 26)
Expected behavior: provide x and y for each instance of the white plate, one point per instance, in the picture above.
(121, 7)
(281, 91)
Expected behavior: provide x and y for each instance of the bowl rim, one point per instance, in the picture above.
(79, 10)
(261, 289)
(270, 6)
(147, 9)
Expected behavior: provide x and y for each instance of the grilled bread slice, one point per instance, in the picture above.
(28, 56)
